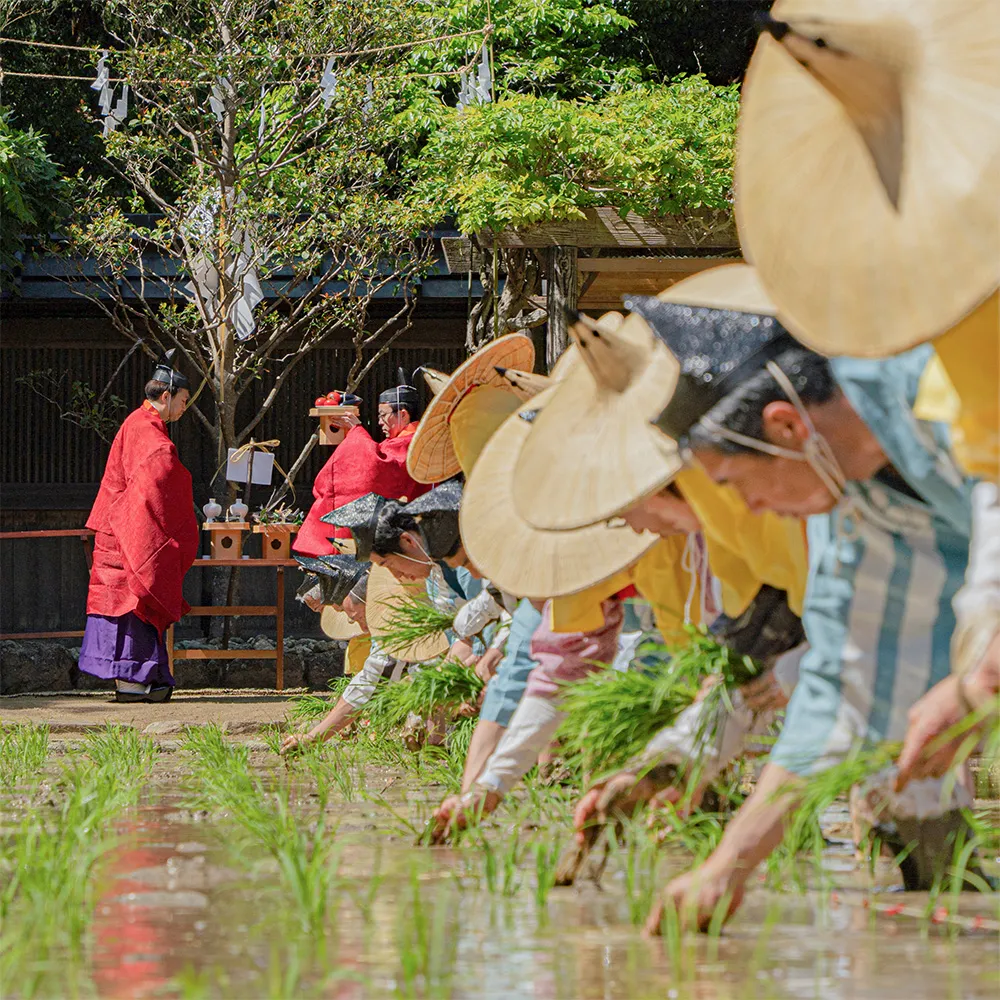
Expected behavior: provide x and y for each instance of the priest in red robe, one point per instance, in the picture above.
(146, 540)
(361, 465)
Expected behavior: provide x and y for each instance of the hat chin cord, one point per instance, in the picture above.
(815, 449)
(694, 562)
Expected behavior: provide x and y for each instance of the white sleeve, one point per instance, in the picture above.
(531, 729)
(359, 692)
(476, 614)
(689, 740)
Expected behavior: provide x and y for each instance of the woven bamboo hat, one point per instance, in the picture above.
(592, 451)
(517, 557)
(336, 625)
(385, 593)
(431, 457)
(527, 383)
(868, 168)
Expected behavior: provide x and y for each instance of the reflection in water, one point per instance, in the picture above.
(176, 919)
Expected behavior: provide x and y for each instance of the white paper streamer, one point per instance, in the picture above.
(217, 100)
(328, 83)
(477, 87)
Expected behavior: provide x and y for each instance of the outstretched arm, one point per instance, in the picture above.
(755, 831)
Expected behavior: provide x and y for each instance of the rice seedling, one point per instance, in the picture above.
(637, 856)
(306, 854)
(311, 707)
(427, 942)
(51, 861)
(802, 831)
(388, 707)
(120, 747)
(24, 749)
(611, 716)
(445, 683)
(411, 620)
(547, 853)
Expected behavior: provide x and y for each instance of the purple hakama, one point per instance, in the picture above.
(125, 648)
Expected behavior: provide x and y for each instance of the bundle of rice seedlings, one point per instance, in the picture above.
(445, 683)
(611, 716)
(388, 707)
(412, 620)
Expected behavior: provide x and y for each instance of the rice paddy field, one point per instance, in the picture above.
(204, 867)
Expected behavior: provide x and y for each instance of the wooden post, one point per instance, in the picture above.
(170, 651)
(562, 289)
(279, 645)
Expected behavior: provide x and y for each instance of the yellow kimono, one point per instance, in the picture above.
(745, 551)
(658, 575)
(963, 389)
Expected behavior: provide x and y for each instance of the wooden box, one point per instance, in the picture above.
(227, 538)
(276, 540)
(330, 435)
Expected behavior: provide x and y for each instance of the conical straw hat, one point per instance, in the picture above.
(868, 185)
(592, 451)
(431, 456)
(527, 383)
(385, 593)
(524, 560)
(336, 625)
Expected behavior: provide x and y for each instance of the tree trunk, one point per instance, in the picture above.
(562, 291)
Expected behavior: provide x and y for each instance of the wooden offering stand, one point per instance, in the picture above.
(276, 540)
(329, 434)
(227, 538)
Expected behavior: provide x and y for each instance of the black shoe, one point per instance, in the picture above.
(154, 695)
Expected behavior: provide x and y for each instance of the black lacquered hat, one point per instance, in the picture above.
(403, 395)
(436, 513)
(360, 517)
(166, 372)
(338, 575)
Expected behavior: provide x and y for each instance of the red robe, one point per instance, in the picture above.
(147, 532)
(358, 465)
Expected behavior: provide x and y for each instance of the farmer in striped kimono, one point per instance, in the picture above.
(889, 518)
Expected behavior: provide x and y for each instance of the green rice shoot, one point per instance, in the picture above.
(611, 716)
(413, 620)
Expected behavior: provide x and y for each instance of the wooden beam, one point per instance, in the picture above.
(604, 227)
(653, 265)
(225, 654)
(42, 635)
(235, 609)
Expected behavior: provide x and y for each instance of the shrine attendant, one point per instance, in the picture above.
(361, 465)
(146, 540)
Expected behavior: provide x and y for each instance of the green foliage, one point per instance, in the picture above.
(555, 48)
(657, 150)
(31, 189)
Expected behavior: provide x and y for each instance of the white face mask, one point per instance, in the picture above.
(815, 449)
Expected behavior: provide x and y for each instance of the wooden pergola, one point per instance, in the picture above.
(591, 262)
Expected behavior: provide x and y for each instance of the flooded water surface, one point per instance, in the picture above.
(314, 887)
